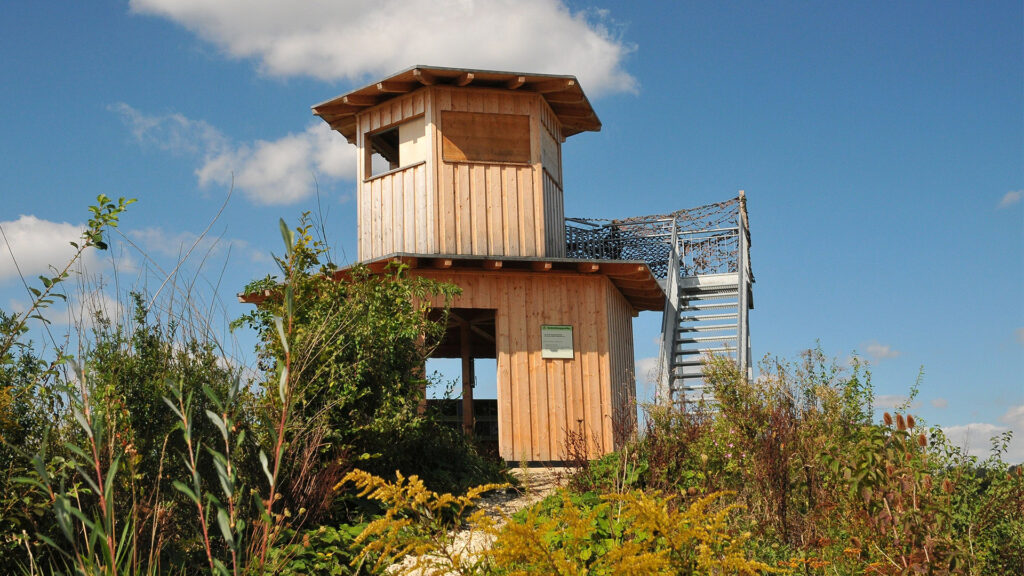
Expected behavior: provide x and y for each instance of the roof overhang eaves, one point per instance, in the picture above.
(632, 278)
(563, 93)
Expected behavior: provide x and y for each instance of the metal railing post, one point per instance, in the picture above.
(669, 323)
(743, 277)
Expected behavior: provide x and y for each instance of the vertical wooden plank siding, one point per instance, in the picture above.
(498, 209)
(621, 366)
(540, 400)
(396, 210)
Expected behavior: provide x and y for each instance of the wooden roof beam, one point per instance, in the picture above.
(588, 267)
(565, 97)
(441, 263)
(481, 332)
(515, 82)
(362, 100)
(574, 113)
(423, 77)
(552, 85)
(393, 87)
(492, 264)
(540, 266)
(335, 108)
(465, 79)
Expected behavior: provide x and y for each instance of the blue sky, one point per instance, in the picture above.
(881, 146)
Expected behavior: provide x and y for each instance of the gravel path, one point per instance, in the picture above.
(535, 485)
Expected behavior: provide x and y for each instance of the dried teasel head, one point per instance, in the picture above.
(901, 424)
(947, 486)
(910, 421)
(887, 418)
(921, 440)
(691, 490)
(926, 482)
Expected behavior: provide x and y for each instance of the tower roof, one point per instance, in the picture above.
(562, 93)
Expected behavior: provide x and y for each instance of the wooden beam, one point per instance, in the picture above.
(568, 111)
(565, 98)
(552, 85)
(465, 79)
(467, 379)
(540, 266)
(515, 82)
(483, 333)
(360, 100)
(492, 264)
(392, 87)
(424, 77)
(335, 107)
(442, 263)
(588, 267)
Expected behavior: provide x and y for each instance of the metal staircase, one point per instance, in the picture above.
(707, 307)
(702, 256)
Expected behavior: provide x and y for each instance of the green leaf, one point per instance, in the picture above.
(282, 386)
(279, 323)
(184, 489)
(287, 236)
(108, 485)
(266, 467)
(218, 422)
(225, 527)
(82, 421)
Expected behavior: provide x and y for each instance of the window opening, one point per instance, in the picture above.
(396, 147)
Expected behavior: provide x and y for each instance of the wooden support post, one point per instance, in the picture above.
(420, 372)
(467, 377)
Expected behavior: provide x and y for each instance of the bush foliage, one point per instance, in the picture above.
(146, 452)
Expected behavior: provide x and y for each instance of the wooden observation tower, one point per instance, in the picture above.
(460, 178)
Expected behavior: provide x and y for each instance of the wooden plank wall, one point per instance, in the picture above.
(621, 366)
(487, 208)
(539, 399)
(494, 209)
(551, 160)
(394, 207)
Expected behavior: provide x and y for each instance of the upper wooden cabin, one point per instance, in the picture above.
(455, 161)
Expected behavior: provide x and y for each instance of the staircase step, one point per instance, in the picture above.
(688, 363)
(707, 295)
(699, 339)
(692, 351)
(705, 317)
(716, 306)
(707, 328)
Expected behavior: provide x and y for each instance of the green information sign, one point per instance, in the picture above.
(556, 342)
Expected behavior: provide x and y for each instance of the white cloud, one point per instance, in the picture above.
(266, 172)
(940, 403)
(176, 244)
(976, 436)
(37, 245)
(1010, 198)
(889, 401)
(647, 370)
(881, 351)
(282, 171)
(171, 132)
(353, 40)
